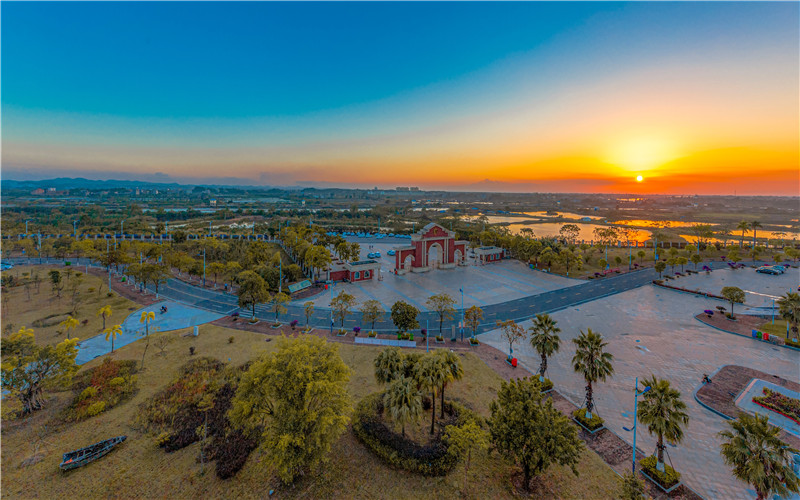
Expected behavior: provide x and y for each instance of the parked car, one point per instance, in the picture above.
(377, 255)
(767, 270)
(779, 268)
(371, 255)
(390, 252)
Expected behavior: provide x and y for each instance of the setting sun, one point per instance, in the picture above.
(639, 178)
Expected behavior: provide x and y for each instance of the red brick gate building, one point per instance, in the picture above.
(431, 247)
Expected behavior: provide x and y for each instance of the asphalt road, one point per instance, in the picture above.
(519, 309)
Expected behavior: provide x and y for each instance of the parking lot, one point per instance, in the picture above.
(760, 289)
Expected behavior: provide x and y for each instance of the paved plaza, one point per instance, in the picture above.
(760, 289)
(482, 284)
(652, 331)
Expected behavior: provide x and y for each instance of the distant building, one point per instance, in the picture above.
(490, 254)
(353, 271)
(37, 191)
(212, 202)
(51, 190)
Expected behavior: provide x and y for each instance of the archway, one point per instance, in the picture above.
(435, 253)
(458, 258)
(408, 262)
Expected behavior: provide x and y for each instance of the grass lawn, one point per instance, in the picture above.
(779, 328)
(45, 306)
(139, 468)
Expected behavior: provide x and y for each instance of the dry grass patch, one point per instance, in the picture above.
(139, 468)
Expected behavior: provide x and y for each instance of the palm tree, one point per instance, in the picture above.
(744, 226)
(146, 318)
(453, 370)
(789, 309)
(664, 414)
(112, 333)
(430, 373)
(754, 226)
(592, 362)
(403, 401)
(388, 365)
(105, 312)
(751, 446)
(69, 324)
(545, 339)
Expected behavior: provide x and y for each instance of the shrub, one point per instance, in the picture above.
(116, 381)
(474, 341)
(96, 408)
(231, 339)
(592, 424)
(372, 334)
(547, 384)
(667, 479)
(780, 403)
(434, 459)
(87, 393)
(440, 338)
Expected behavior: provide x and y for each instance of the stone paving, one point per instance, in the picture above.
(653, 331)
(482, 284)
(759, 288)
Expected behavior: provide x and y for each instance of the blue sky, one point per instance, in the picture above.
(282, 92)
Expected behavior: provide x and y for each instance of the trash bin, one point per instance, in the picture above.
(514, 362)
(755, 334)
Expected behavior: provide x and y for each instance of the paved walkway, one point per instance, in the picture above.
(653, 331)
(178, 316)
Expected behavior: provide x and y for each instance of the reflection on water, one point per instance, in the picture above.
(565, 215)
(654, 223)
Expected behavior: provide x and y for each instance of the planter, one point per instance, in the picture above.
(439, 340)
(276, 325)
(649, 471)
(578, 416)
(474, 342)
(341, 334)
(308, 330)
(372, 335)
(251, 322)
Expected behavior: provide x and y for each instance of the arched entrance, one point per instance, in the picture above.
(435, 253)
(458, 259)
(408, 263)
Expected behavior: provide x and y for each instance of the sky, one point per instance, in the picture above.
(675, 98)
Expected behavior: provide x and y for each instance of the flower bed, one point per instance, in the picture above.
(779, 403)
(667, 480)
(593, 424)
(474, 341)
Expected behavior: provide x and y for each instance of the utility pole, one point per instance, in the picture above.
(462, 313)
(280, 280)
(108, 260)
(204, 267)
(427, 335)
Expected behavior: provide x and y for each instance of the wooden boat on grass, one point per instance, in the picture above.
(79, 458)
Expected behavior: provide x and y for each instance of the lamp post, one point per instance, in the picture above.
(75, 229)
(636, 394)
(122, 228)
(26, 226)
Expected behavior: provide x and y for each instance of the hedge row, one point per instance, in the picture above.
(399, 451)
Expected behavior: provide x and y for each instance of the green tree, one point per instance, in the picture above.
(430, 373)
(342, 306)
(603, 263)
(389, 365)
(472, 319)
(789, 309)
(252, 290)
(734, 295)
(371, 310)
(664, 414)
(569, 233)
(758, 457)
(317, 257)
(660, 266)
(298, 413)
(308, 310)
(443, 305)
(465, 440)
(733, 255)
(404, 316)
(511, 332)
(278, 301)
(216, 269)
(111, 333)
(569, 259)
(592, 362)
(696, 259)
(681, 261)
(28, 369)
(527, 430)
(545, 339)
(403, 401)
(55, 281)
(453, 370)
(146, 318)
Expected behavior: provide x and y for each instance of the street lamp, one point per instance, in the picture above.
(462, 313)
(75, 228)
(26, 226)
(122, 228)
(636, 394)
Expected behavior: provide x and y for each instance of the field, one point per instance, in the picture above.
(44, 311)
(140, 469)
